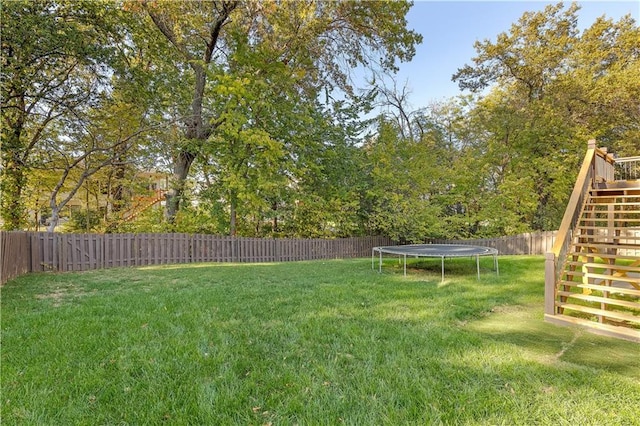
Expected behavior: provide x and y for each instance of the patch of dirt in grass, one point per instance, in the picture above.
(62, 294)
(505, 309)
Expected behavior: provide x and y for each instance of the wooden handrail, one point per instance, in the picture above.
(579, 190)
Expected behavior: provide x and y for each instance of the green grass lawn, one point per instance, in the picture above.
(324, 342)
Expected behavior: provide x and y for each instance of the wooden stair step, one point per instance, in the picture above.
(633, 267)
(603, 288)
(603, 255)
(616, 193)
(576, 273)
(634, 280)
(612, 199)
(609, 218)
(579, 273)
(609, 330)
(606, 213)
(626, 268)
(627, 206)
(597, 196)
(600, 312)
(604, 219)
(624, 183)
(605, 200)
(608, 239)
(605, 232)
(606, 225)
(629, 189)
(634, 236)
(618, 184)
(614, 228)
(600, 299)
(610, 214)
(607, 246)
(600, 193)
(611, 189)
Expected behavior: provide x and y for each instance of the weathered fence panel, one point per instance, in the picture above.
(15, 256)
(44, 252)
(79, 252)
(121, 249)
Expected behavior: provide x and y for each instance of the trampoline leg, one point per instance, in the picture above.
(495, 262)
(405, 265)
(442, 268)
(478, 265)
(380, 263)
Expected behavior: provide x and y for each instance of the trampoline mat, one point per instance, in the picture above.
(437, 250)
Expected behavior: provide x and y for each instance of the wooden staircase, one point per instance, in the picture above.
(597, 281)
(142, 204)
(601, 278)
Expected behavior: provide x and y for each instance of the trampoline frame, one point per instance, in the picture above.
(436, 250)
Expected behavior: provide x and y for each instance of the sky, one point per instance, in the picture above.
(450, 28)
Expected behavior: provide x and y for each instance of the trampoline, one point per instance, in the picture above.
(436, 250)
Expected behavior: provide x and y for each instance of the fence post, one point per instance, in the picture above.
(550, 284)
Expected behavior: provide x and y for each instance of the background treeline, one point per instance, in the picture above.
(254, 112)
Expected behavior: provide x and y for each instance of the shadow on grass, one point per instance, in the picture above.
(525, 328)
(431, 268)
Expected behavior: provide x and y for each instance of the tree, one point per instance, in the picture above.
(52, 57)
(602, 93)
(317, 42)
(74, 150)
(552, 88)
(530, 56)
(404, 178)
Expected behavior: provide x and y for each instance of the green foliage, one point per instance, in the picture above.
(149, 221)
(200, 221)
(403, 179)
(83, 220)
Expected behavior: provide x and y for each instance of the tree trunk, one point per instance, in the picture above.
(197, 129)
(181, 166)
(274, 223)
(12, 206)
(13, 177)
(233, 215)
(118, 192)
(55, 217)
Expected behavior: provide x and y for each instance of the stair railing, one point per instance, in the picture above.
(597, 166)
(627, 168)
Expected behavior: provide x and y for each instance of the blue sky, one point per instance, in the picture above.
(450, 29)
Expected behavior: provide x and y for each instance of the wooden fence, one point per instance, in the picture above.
(24, 252)
(528, 243)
